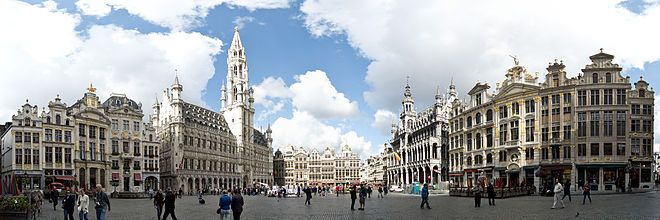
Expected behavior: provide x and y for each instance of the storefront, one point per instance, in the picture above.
(640, 176)
(601, 177)
(456, 178)
(27, 181)
(470, 177)
(528, 172)
(548, 173)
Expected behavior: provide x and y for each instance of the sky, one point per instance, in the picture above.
(325, 72)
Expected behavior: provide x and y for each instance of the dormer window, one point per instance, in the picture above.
(58, 119)
(608, 77)
(594, 79)
(642, 93)
(478, 99)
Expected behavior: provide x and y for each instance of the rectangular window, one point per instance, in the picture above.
(595, 149)
(544, 134)
(529, 130)
(634, 147)
(19, 156)
(92, 150)
(81, 130)
(647, 110)
(18, 137)
(49, 155)
(136, 147)
(504, 112)
(136, 126)
(115, 146)
(621, 96)
(607, 123)
(102, 151)
(92, 131)
(582, 124)
(647, 126)
(115, 125)
(469, 142)
(567, 110)
(28, 157)
(647, 147)
(567, 152)
(594, 126)
(102, 133)
(125, 125)
(607, 149)
(514, 130)
(67, 155)
(567, 132)
(489, 137)
(555, 99)
(125, 147)
(67, 136)
(58, 135)
(515, 108)
(544, 101)
(595, 97)
(35, 138)
(635, 110)
(555, 132)
(27, 138)
(620, 149)
(582, 150)
(555, 152)
(620, 123)
(529, 153)
(529, 106)
(556, 114)
(49, 134)
(607, 96)
(567, 98)
(503, 138)
(634, 125)
(582, 97)
(58, 155)
(544, 153)
(82, 146)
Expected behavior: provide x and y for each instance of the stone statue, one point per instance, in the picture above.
(515, 59)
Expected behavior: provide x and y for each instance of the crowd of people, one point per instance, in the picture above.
(80, 203)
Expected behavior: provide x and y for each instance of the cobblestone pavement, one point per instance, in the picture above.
(396, 206)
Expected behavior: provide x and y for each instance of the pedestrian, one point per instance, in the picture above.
(54, 196)
(477, 195)
(180, 192)
(236, 205)
(151, 193)
(586, 193)
(308, 194)
(159, 200)
(567, 191)
(101, 203)
(224, 204)
(363, 195)
(353, 197)
(337, 189)
(558, 189)
(386, 189)
(491, 194)
(83, 205)
(369, 191)
(170, 199)
(68, 203)
(380, 192)
(425, 196)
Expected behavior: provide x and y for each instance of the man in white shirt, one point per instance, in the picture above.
(558, 190)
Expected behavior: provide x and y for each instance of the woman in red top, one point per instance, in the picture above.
(586, 193)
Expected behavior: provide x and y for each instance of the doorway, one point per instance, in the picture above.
(127, 182)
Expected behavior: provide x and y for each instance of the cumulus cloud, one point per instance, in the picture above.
(305, 130)
(383, 121)
(472, 39)
(270, 88)
(43, 50)
(314, 93)
(240, 21)
(174, 14)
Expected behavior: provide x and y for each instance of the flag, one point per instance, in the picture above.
(396, 155)
(181, 164)
(274, 172)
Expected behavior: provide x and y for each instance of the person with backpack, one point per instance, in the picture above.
(586, 193)
(363, 195)
(380, 192)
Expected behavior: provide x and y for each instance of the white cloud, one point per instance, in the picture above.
(270, 88)
(433, 40)
(305, 130)
(174, 14)
(240, 21)
(383, 121)
(93, 7)
(42, 55)
(268, 112)
(314, 93)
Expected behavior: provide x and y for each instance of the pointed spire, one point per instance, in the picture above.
(223, 87)
(236, 41)
(176, 78)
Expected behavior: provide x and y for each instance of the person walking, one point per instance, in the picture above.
(159, 200)
(308, 194)
(369, 191)
(337, 189)
(477, 195)
(380, 192)
(83, 205)
(363, 195)
(236, 205)
(586, 193)
(151, 193)
(425, 196)
(353, 197)
(54, 196)
(491, 194)
(224, 204)
(558, 189)
(170, 199)
(180, 193)
(567, 191)
(101, 203)
(68, 203)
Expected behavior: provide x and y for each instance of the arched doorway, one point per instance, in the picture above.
(81, 175)
(435, 175)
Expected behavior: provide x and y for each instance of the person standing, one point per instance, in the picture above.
(54, 196)
(180, 193)
(567, 191)
(159, 200)
(558, 189)
(491, 194)
(170, 199)
(151, 193)
(586, 193)
(68, 203)
(224, 204)
(369, 191)
(363, 195)
(425, 196)
(477, 195)
(380, 192)
(102, 203)
(236, 205)
(308, 194)
(83, 205)
(353, 197)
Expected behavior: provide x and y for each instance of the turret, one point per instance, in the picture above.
(223, 97)
(176, 89)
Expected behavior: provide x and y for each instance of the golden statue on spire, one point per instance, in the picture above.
(91, 88)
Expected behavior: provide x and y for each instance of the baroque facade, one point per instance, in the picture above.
(593, 129)
(202, 149)
(278, 168)
(418, 149)
(309, 167)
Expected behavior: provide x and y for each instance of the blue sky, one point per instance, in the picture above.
(356, 53)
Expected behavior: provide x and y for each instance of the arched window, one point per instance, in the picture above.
(477, 119)
(641, 93)
(469, 161)
(478, 159)
(66, 122)
(469, 121)
(48, 119)
(608, 77)
(58, 119)
(489, 158)
(594, 79)
(489, 115)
